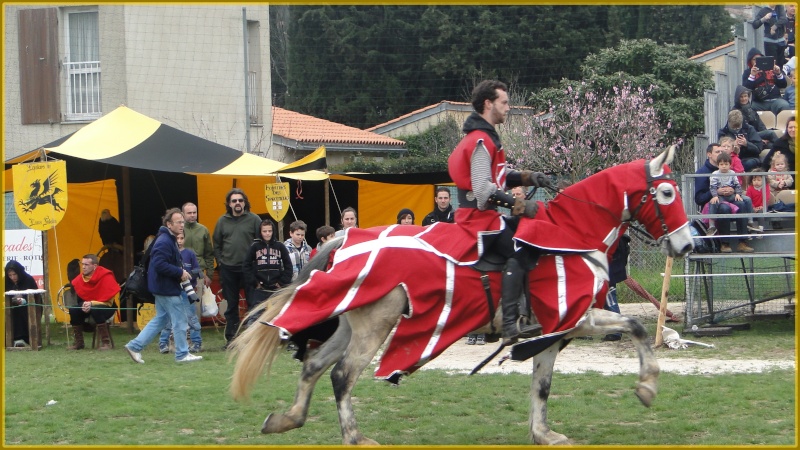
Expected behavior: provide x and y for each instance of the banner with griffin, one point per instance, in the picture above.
(40, 193)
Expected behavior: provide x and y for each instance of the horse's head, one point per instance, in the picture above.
(659, 207)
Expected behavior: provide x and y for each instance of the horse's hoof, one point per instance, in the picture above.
(359, 440)
(278, 423)
(552, 438)
(646, 394)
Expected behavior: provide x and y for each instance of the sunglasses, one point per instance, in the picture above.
(237, 200)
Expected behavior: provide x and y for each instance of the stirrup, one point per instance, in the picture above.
(528, 330)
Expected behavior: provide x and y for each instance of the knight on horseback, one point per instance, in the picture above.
(478, 168)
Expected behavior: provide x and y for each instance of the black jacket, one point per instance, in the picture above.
(754, 143)
(267, 264)
(439, 216)
(766, 85)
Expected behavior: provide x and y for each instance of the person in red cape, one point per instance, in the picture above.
(97, 290)
(478, 168)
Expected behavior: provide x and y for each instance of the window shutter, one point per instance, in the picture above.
(38, 66)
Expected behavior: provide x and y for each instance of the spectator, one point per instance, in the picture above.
(405, 217)
(702, 196)
(17, 279)
(773, 18)
(745, 137)
(790, 12)
(299, 250)
(788, 93)
(779, 181)
(97, 290)
(198, 238)
(324, 234)
(784, 145)
(268, 266)
(349, 220)
(765, 85)
(518, 192)
(756, 193)
(728, 145)
(725, 177)
(164, 277)
(443, 211)
(741, 102)
(233, 235)
(191, 265)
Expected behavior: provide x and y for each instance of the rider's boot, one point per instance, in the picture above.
(511, 290)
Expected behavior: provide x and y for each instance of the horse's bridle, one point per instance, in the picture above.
(644, 235)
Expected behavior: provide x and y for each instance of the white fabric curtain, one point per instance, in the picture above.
(84, 39)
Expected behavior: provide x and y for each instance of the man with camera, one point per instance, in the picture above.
(165, 277)
(765, 79)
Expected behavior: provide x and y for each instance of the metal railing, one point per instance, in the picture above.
(83, 90)
(255, 101)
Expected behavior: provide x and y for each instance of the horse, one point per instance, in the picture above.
(378, 298)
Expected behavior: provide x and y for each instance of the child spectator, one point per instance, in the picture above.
(299, 250)
(756, 192)
(728, 145)
(267, 266)
(779, 181)
(722, 177)
(324, 234)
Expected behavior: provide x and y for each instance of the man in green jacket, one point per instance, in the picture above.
(198, 238)
(233, 235)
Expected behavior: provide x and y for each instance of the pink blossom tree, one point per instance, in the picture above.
(586, 133)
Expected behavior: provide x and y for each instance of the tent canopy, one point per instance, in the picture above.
(127, 138)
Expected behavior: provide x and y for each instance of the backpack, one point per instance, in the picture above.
(708, 245)
(136, 284)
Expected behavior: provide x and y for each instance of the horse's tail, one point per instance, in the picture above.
(257, 346)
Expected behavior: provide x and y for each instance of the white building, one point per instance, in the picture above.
(188, 66)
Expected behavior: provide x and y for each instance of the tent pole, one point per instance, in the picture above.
(327, 205)
(128, 243)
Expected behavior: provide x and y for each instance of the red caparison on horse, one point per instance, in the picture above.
(420, 282)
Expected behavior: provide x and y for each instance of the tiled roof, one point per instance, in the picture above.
(303, 128)
(412, 113)
(713, 50)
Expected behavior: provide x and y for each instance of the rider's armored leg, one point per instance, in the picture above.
(512, 291)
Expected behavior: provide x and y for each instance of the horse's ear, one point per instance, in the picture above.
(658, 162)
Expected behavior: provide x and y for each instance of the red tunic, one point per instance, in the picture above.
(101, 287)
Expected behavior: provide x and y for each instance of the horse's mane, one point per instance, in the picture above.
(319, 261)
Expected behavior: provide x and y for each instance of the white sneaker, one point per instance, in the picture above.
(135, 356)
(189, 358)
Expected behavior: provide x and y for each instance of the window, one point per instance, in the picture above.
(82, 65)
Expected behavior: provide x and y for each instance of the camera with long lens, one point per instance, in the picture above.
(189, 289)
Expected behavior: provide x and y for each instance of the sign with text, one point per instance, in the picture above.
(40, 193)
(25, 247)
(277, 197)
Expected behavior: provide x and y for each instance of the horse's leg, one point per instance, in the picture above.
(370, 326)
(540, 390)
(317, 361)
(599, 321)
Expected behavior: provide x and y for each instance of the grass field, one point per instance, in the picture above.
(103, 398)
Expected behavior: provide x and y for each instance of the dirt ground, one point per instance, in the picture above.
(607, 358)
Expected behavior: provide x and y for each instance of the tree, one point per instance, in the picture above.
(587, 132)
(674, 82)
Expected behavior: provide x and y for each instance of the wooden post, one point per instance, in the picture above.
(662, 312)
(9, 324)
(34, 332)
(130, 312)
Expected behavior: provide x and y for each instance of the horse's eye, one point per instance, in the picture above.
(665, 194)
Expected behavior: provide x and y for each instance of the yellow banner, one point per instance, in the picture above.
(40, 193)
(277, 197)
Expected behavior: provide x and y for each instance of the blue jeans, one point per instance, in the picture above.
(168, 309)
(193, 321)
(724, 225)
